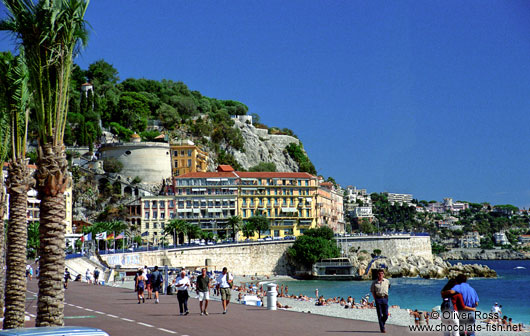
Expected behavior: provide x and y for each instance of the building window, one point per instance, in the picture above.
(176, 163)
(176, 153)
(155, 214)
(189, 163)
(147, 225)
(162, 204)
(189, 152)
(154, 204)
(171, 204)
(162, 215)
(147, 215)
(146, 204)
(155, 225)
(182, 152)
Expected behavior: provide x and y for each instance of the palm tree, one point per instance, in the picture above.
(248, 229)
(4, 149)
(175, 228)
(50, 32)
(193, 231)
(18, 184)
(234, 223)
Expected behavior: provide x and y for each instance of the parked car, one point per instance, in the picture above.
(54, 331)
(268, 238)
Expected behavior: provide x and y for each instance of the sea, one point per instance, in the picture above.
(511, 289)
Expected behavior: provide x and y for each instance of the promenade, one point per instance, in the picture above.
(116, 311)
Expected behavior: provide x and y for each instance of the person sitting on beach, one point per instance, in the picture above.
(279, 305)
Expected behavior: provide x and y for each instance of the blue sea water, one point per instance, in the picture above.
(510, 289)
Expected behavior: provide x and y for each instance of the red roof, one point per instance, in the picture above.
(225, 168)
(274, 175)
(226, 174)
(207, 175)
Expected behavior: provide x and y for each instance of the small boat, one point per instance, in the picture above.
(519, 267)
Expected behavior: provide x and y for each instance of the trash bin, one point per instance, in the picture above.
(271, 296)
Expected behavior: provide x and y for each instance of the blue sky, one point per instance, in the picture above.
(423, 97)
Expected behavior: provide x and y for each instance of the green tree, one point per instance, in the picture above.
(322, 232)
(263, 167)
(234, 224)
(308, 250)
(16, 95)
(176, 228)
(50, 33)
(248, 229)
(366, 227)
(297, 153)
(101, 72)
(5, 136)
(260, 224)
(112, 165)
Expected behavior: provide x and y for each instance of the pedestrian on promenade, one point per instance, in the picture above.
(156, 282)
(203, 290)
(470, 297)
(149, 285)
(183, 283)
(96, 276)
(140, 286)
(379, 290)
(87, 276)
(224, 284)
(67, 277)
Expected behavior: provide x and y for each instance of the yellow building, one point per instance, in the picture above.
(209, 199)
(186, 157)
(288, 200)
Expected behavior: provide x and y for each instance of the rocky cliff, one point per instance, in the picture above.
(263, 147)
(479, 254)
(417, 266)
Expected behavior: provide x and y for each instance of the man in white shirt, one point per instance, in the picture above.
(182, 283)
(224, 283)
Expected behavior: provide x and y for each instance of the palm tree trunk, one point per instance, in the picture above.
(18, 182)
(52, 180)
(2, 242)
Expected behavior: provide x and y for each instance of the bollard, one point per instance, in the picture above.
(271, 296)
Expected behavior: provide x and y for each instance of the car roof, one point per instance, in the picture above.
(56, 331)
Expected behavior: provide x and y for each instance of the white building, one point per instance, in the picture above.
(500, 238)
(400, 199)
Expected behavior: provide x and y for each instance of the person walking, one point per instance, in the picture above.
(203, 290)
(87, 276)
(183, 283)
(67, 277)
(156, 282)
(379, 290)
(96, 276)
(140, 286)
(224, 284)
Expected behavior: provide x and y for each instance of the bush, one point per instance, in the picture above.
(112, 165)
(299, 156)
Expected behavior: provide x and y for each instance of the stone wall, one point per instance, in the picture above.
(403, 245)
(264, 258)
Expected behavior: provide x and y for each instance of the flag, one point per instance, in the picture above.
(145, 234)
(110, 236)
(121, 235)
(102, 235)
(82, 238)
(89, 236)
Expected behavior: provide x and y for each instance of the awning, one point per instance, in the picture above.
(289, 210)
(196, 210)
(183, 210)
(213, 179)
(309, 199)
(215, 210)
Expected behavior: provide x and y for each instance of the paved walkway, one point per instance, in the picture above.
(116, 311)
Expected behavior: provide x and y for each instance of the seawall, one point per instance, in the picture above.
(390, 246)
(264, 258)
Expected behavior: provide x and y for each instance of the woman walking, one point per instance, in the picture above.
(182, 283)
(140, 286)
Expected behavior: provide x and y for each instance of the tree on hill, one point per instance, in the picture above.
(263, 167)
